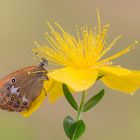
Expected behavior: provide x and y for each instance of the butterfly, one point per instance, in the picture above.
(19, 89)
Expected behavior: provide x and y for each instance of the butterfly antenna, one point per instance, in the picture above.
(32, 55)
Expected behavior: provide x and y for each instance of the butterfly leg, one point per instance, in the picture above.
(45, 91)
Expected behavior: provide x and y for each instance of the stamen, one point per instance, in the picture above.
(99, 21)
(111, 45)
(126, 50)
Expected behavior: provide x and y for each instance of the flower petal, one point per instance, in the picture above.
(77, 79)
(119, 79)
(135, 77)
(55, 91)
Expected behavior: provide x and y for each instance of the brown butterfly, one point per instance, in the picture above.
(19, 89)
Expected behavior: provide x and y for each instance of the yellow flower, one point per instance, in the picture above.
(80, 61)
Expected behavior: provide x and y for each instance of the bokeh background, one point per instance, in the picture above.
(22, 22)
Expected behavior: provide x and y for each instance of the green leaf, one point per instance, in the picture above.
(68, 121)
(93, 101)
(73, 129)
(69, 97)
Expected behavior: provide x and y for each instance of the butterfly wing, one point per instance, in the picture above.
(19, 89)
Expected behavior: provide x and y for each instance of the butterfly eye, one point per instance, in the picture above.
(24, 103)
(12, 98)
(13, 80)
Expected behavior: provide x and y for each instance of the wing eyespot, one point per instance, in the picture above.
(12, 98)
(18, 102)
(8, 88)
(13, 80)
(8, 94)
(24, 103)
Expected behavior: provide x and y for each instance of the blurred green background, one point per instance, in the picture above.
(117, 117)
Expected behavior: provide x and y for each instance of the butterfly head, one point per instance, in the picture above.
(43, 63)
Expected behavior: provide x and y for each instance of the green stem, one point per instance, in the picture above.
(80, 110)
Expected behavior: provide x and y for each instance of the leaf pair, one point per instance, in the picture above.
(73, 129)
(88, 105)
